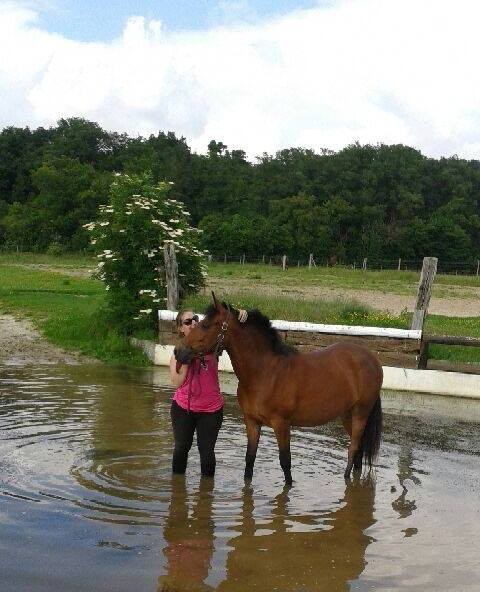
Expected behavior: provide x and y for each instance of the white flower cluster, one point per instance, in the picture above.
(154, 222)
(107, 254)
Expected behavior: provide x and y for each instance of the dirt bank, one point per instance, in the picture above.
(21, 344)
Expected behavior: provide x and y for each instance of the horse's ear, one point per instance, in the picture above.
(216, 304)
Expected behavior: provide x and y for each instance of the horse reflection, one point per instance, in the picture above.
(189, 540)
(298, 552)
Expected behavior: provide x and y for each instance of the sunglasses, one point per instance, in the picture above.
(188, 322)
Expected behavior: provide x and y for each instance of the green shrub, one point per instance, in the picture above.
(55, 249)
(129, 238)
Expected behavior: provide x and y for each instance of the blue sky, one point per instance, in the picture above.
(257, 75)
(94, 20)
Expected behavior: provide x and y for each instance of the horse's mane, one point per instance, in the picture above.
(262, 324)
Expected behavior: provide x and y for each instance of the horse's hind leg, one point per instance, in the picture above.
(356, 423)
(358, 458)
(253, 436)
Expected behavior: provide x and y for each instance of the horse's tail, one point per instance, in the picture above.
(372, 433)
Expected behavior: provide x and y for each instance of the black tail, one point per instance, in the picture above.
(372, 433)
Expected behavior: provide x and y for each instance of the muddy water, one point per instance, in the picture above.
(87, 501)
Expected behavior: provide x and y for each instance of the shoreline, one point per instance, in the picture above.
(21, 344)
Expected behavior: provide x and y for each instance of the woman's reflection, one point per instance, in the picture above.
(189, 539)
(323, 552)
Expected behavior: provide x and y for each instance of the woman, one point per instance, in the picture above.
(197, 403)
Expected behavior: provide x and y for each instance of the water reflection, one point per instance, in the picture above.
(302, 551)
(282, 551)
(190, 539)
(124, 460)
(403, 505)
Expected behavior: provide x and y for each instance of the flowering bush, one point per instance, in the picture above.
(129, 238)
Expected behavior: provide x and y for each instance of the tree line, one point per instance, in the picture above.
(380, 202)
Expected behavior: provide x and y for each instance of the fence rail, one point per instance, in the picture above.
(444, 267)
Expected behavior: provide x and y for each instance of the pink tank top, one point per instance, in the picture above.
(200, 392)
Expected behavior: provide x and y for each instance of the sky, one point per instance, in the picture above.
(258, 75)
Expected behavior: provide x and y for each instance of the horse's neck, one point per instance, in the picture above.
(248, 355)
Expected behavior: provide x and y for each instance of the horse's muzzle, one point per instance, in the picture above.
(184, 355)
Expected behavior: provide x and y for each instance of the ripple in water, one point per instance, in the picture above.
(85, 459)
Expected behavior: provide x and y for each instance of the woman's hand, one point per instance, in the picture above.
(242, 315)
(178, 374)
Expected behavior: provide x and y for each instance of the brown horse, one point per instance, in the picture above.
(281, 388)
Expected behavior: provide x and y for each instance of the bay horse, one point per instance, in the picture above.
(281, 388)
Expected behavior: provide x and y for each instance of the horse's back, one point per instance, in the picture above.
(333, 380)
(349, 357)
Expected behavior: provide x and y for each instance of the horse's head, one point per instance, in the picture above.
(207, 336)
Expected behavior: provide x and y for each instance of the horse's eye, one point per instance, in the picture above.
(205, 325)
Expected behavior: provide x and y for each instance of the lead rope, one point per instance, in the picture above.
(195, 369)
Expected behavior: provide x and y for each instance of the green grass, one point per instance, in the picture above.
(68, 311)
(67, 261)
(336, 312)
(463, 326)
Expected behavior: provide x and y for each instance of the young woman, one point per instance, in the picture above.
(197, 403)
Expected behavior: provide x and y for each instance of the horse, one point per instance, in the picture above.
(281, 388)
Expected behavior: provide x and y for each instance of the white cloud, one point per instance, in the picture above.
(368, 70)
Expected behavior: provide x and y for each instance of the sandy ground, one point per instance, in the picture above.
(21, 344)
(453, 301)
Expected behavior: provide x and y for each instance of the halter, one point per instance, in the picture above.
(218, 346)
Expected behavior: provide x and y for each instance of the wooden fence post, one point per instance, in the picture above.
(171, 275)
(284, 262)
(225, 258)
(399, 264)
(311, 261)
(364, 266)
(429, 270)
(478, 265)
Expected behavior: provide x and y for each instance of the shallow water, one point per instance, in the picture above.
(88, 501)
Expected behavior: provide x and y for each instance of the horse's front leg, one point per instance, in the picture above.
(253, 436)
(282, 433)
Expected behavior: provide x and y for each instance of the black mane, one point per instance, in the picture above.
(262, 324)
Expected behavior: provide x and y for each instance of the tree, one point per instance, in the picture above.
(68, 193)
(129, 235)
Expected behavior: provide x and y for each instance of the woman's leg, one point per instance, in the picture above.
(183, 424)
(208, 426)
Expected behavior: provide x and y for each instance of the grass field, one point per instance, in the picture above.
(66, 304)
